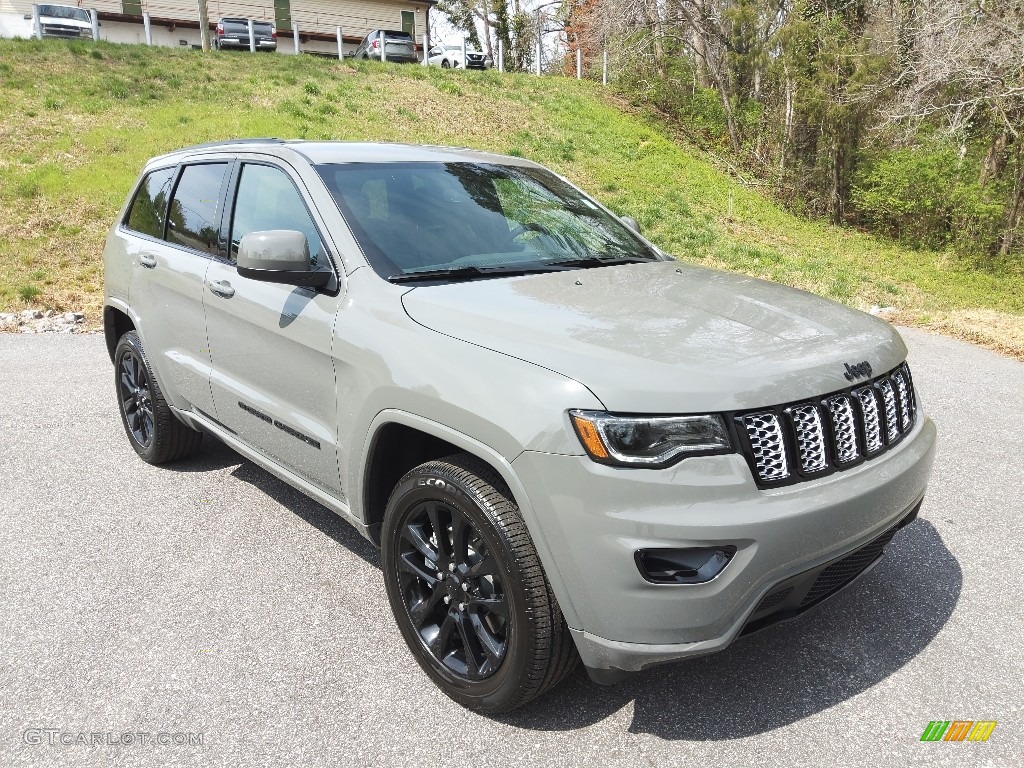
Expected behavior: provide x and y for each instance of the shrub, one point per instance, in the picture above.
(930, 197)
(29, 292)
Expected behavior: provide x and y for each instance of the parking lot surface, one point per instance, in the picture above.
(208, 602)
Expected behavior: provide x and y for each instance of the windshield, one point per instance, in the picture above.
(64, 12)
(419, 217)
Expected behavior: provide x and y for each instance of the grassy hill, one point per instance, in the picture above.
(80, 119)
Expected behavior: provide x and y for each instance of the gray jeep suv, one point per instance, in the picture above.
(567, 444)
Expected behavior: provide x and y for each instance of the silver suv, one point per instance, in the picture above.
(566, 443)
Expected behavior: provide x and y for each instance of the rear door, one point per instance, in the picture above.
(170, 231)
(273, 375)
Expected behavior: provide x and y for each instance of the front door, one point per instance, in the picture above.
(273, 376)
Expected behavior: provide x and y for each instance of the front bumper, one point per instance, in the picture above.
(243, 43)
(593, 518)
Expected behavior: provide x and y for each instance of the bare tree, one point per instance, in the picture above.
(966, 68)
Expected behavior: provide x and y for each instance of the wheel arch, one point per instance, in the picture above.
(389, 428)
(116, 323)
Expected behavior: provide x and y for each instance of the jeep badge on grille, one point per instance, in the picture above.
(860, 370)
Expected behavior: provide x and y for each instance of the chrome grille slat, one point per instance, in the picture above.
(844, 428)
(892, 426)
(903, 391)
(810, 438)
(870, 419)
(765, 434)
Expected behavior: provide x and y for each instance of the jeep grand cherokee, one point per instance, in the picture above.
(567, 444)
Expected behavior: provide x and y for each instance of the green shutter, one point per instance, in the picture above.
(283, 15)
(131, 7)
(409, 23)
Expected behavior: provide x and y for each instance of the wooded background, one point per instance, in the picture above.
(904, 117)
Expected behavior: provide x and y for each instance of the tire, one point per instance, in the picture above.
(445, 64)
(152, 428)
(489, 631)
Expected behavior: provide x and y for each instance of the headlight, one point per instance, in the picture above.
(649, 441)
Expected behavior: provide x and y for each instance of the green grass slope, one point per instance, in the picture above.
(79, 121)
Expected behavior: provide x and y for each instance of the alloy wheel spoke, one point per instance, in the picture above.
(461, 532)
(440, 534)
(490, 645)
(439, 645)
(414, 535)
(486, 567)
(405, 563)
(423, 609)
(495, 605)
(468, 641)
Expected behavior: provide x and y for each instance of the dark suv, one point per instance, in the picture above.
(399, 46)
(234, 33)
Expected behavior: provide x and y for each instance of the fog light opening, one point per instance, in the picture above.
(694, 565)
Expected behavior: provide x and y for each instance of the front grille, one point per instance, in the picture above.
(62, 30)
(770, 601)
(868, 397)
(765, 434)
(791, 597)
(892, 427)
(844, 429)
(810, 437)
(842, 572)
(802, 440)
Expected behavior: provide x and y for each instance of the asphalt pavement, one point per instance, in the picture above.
(210, 606)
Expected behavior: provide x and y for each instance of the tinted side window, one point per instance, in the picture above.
(149, 208)
(267, 199)
(192, 220)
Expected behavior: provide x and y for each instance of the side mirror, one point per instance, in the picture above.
(278, 256)
(630, 222)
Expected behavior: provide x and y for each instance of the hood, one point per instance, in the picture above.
(665, 337)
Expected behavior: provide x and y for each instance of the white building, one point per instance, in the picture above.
(176, 22)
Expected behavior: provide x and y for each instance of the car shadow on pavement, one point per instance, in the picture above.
(216, 455)
(787, 672)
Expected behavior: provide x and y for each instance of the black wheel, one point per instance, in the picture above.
(153, 430)
(467, 588)
(445, 64)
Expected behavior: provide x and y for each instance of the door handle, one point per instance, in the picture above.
(222, 288)
(147, 260)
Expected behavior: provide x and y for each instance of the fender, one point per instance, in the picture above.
(499, 463)
(122, 307)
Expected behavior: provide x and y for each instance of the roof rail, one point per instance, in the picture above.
(229, 142)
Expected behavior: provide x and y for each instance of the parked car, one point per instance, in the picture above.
(399, 47)
(233, 33)
(64, 21)
(566, 443)
(450, 55)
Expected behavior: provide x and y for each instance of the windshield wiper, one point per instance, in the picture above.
(469, 273)
(595, 261)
